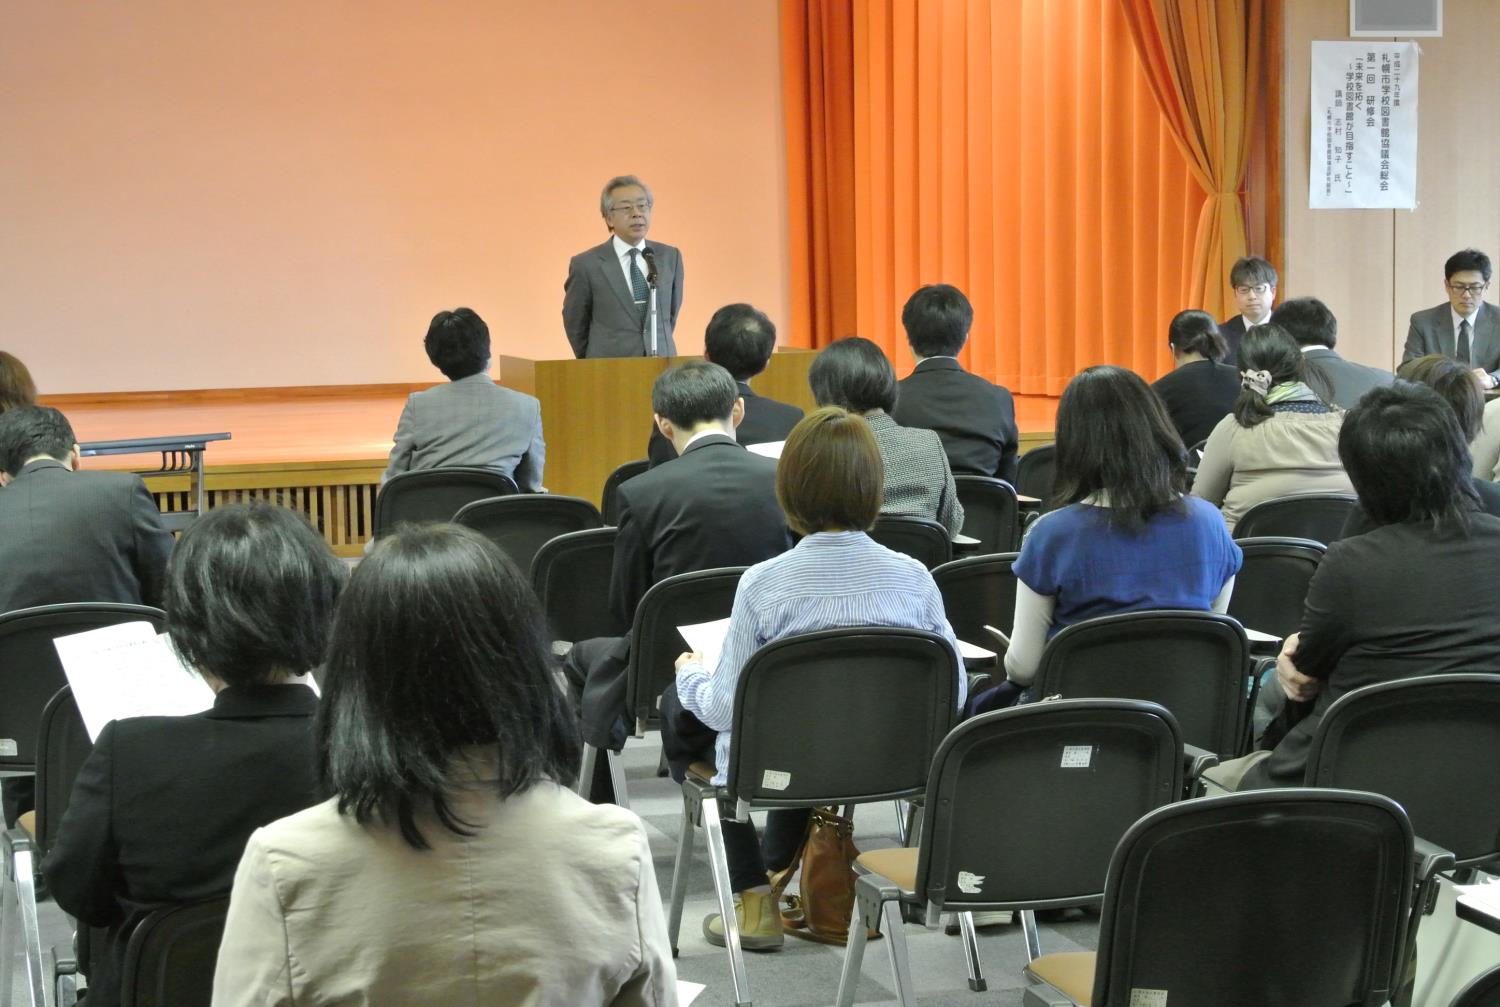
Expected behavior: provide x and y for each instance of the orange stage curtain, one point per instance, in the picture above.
(1011, 147)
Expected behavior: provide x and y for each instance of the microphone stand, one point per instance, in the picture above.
(651, 349)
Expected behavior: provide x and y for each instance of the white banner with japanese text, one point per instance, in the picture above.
(1364, 126)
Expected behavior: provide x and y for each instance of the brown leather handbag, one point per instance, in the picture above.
(822, 909)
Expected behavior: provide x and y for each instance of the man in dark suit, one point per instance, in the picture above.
(609, 294)
(975, 420)
(714, 506)
(740, 340)
(1466, 328)
(1254, 282)
(1316, 330)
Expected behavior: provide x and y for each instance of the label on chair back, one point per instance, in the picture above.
(773, 779)
(1148, 998)
(1078, 757)
(8, 746)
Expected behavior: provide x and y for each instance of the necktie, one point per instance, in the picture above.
(637, 278)
(1463, 343)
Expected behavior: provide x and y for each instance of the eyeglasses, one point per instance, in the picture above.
(638, 205)
(1467, 288)
(1261, 289)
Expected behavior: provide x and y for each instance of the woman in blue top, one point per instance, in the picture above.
(1126, 539)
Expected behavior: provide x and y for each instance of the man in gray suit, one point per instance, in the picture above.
(1466, 328)
(471, 420)
(1317, 331)
(608, 295)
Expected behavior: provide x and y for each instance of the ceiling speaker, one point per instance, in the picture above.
(1395, 17)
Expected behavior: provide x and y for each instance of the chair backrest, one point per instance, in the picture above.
(429, 495)
(1061, 782)
(30, 672)
(63, 744)
(924, 540)
(1484, 991)
(979, 591)
(1297, 898)
(684, 600)
(1270, 590)
(1318, 516)
(170, 957)
(841, 716)
(608, 502)
(570, 574)
(991, 513)
(522, 523)
(1431, 744)
(1036, 472)
(1196, 664)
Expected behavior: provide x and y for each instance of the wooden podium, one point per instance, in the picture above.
(596, 413)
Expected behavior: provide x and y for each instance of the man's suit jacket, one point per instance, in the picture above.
(163, 806)
(975, 420)
(599, 312)
(1347, 380)
(1233, 330)
(1431, 331)
(766, 421)
(475, 422)
(79, 536)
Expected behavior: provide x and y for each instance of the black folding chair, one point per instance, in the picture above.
(979, 591)
(171, 954)
(1036, 473)
(522, 523)
(1062, 782)
(1270, 591)
(609, 504)
(429, 495)
(1317, 516)
(991, 513)
(1484, 991)
(923, 540)
(894, 694)
(570, 575)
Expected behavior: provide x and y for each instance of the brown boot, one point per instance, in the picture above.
(758, 919)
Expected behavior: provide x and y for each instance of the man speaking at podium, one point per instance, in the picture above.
(621, 298)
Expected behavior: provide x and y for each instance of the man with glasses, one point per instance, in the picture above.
(1466, 328)
(1254, 283)
(621, 298)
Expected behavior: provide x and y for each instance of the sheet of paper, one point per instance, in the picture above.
(962, 539)
(771, 449)
(1256, 636)
(973, 652)
(688, 992)
(707, 638)
(129, 671)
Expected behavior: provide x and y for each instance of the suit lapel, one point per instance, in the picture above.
(613, 275)
(1487, 336)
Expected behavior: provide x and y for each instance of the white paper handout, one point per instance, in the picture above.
(688, 992)
(129, 670)
(707, 638)
(771, 449)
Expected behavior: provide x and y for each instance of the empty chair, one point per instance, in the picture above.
(522, 523)
(1484, 991)
(609, 506)
(1316, 516)
(978, 591)
(434, 495)
(1038, 468)
(570, 575)
(923, 540)
(1271, 587)
(169, 960)
(991, 513)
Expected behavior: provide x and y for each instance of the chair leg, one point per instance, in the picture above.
(617, 777)
(971, 952)
(718, 860)
(901, 821)
(7, 954)
(895, 939)
(25, 882)
(1033, 935)
(854, 952)
(685, 836)
(586, 771)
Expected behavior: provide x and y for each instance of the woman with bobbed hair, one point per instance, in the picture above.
(828, 481)
(1282, 439)
(16, 386)
(162, 806)
(1200, 391)
(453, 864)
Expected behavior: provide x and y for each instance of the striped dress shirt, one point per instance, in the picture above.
(831, 580)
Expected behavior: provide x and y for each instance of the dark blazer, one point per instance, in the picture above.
(766, 421)
(1347, 380)
(1233, 330)
(79, 536)
(975, 420)
(162, 808)
(599, 312)
(1431, 331)
(1197, 396)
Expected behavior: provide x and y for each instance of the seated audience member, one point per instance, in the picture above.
(1200, 391)
(739, 339)
(714, 506)
(1466, 328)
(1282, 438)
(16, 387)
(1254, 282)
(854, 374)
(975, 420)
(1486, 444)
(453, 865)
(1313, 326)
(1410, 597)
(1126, 538)
(163, 806)
(828, 481)
(470, 421)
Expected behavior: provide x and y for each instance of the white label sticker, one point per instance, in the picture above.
(8, 746)
(773, 779)
(1148, 998)
(1077, 756)
(970, 884)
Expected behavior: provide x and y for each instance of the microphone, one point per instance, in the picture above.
(649, 254)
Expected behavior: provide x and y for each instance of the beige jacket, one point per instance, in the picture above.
(1288, 454)
(552, 903)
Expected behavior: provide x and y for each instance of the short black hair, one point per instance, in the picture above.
(1308, 321)
(1469, 259)
(458, 343)
(937, 319)
(1196, 332)
(853, 374)
(1408, 459)
(31, 431)
(1272, 349)
(740, 339)
(694, 392)
(250, 592)
(1250, 271)
(438, 647)
(1455, 383)
(1114, 437)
